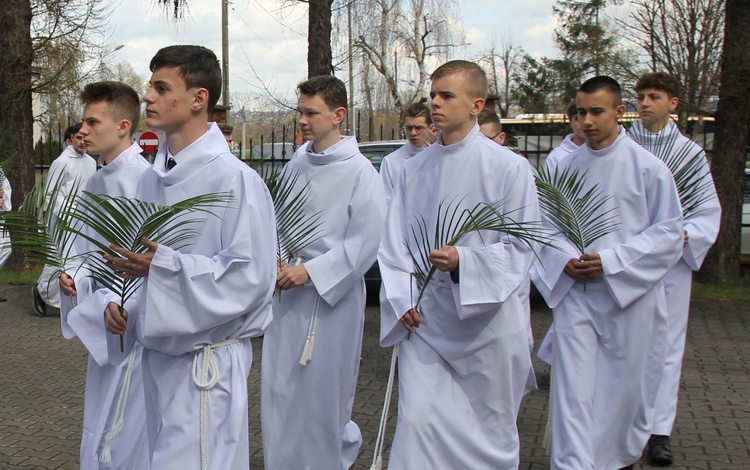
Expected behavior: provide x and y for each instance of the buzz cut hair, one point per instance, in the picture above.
(659, 81)
(603, 82)
(487, 116)
(420, 109)
(197, 65)
(476, 79)
(122, 99)
(330, 88)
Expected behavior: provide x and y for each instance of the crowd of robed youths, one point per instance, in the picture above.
(166, 383)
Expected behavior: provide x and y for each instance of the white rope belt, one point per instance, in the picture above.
(307, 349)
(377, 459)
(118, 420)
(209, 377)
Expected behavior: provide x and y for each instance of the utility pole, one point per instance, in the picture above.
(351, 71)
(225, 51)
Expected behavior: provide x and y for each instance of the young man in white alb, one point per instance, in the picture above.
(113, 397)
(418, 128)
(609, 305)
(199, 305)
(656, 97)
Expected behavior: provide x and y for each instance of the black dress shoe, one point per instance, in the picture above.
(659, 451)
(3, 299)
(39, 306)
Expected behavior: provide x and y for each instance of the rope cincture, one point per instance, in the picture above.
(118, 421)
(209, 377)
(307, 350)
(377, 459)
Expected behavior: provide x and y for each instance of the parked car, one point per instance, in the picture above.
(375, 152)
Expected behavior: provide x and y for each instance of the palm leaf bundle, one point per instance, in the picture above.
(2, 177)
(105, 220)
(41, 225)
(453, 223)
(685, 161)
(573, 210)
(295, 229)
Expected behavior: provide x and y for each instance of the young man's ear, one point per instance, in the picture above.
(339, 115)
(123, 127)
(477, 106)
(620, 111)
(673, 102)
(200, 99)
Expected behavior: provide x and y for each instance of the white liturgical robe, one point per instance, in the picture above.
(391, 165)
(545, 348)
(610, 333)
(463, 374)
(106, 382)
(306, 409)
(69, 171)
(702, 227)
(199, 306)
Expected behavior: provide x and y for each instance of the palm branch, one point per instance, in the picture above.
(108, 220)
(685, 161)
(2, 177)
(296, 229)
(41, 225)
(453, 223)
(572, 209)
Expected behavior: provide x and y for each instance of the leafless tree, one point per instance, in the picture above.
(57, 40)
(403, 40)
(683, 38)
(501, 63)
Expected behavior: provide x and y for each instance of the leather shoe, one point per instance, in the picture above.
(39, 306)
(3, 299)
(659, 451)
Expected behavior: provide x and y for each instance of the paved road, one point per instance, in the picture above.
(41, 391)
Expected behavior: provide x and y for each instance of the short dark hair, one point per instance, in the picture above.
(488, 116)
(122, 98)
(477, 86)
(197, 65)
(72, 130)
(572, 110)
(416, 110)
(603, 82)
(659, 81)
(330, 88)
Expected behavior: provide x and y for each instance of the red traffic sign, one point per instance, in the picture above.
(149, 141)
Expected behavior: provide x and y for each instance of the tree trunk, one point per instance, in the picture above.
(733, 123)
(16, 118)
(319, 56)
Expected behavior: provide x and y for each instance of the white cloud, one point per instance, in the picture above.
(270, 35)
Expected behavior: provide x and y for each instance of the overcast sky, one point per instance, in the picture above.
(272, 37)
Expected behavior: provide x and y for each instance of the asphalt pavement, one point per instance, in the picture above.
(42, 381)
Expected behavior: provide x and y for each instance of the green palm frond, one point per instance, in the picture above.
(295, 229)
(453, 223)
(41, 225)
(108, 220)
(685, 161)
(572, 209)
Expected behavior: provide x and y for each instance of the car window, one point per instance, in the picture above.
(375, 157)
